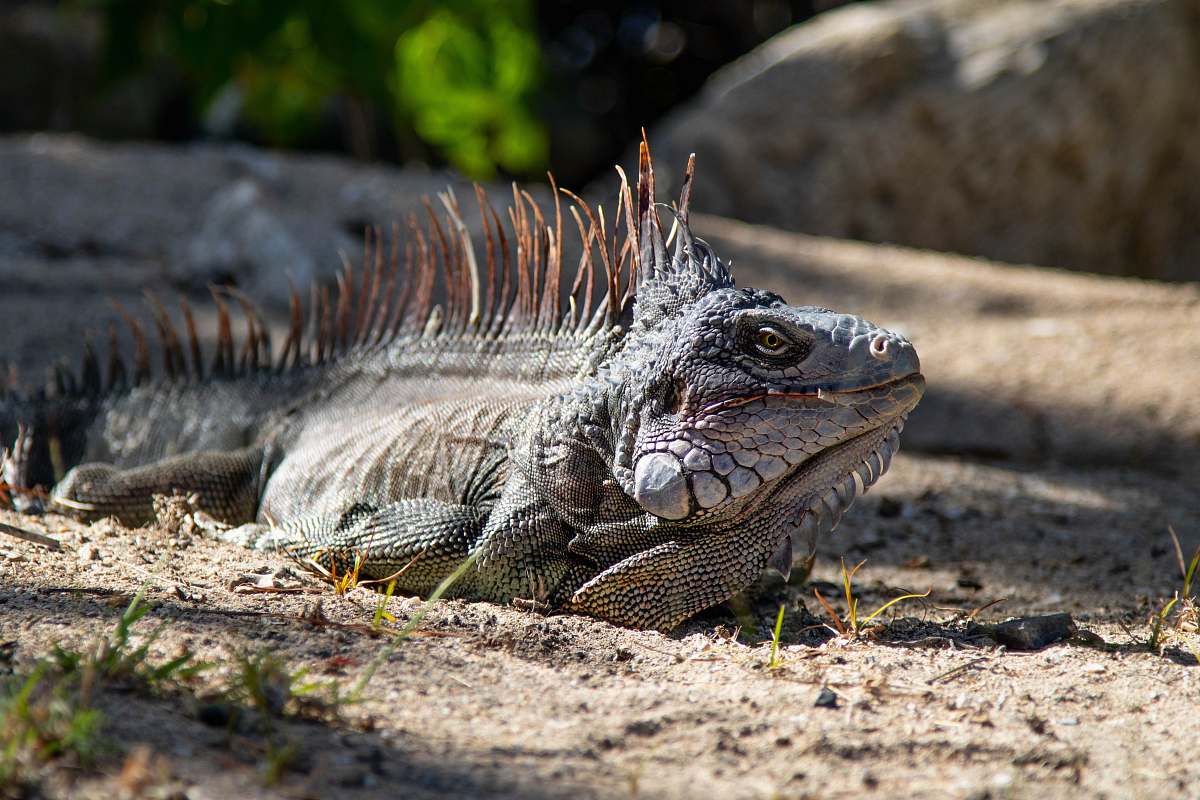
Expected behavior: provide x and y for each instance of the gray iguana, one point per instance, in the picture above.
(637, 446)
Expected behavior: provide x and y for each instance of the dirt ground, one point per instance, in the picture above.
(505, 703)
(1057, 442)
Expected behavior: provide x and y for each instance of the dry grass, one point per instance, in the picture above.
(1182, 605)
(851, 625)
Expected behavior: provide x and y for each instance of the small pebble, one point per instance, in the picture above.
(826, 698)
(88, 552)
(215, 714)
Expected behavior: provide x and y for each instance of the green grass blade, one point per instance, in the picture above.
(774, 661)
(410, 626)
(1191, 573)
(893, 602)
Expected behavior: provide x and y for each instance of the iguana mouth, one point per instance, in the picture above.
(872, 453)
(820, 395)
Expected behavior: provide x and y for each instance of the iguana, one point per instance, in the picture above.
(637, 453)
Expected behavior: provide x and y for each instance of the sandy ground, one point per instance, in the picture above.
(504, 703)
(1056, 444)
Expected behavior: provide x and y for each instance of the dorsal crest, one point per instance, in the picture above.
(668, 281)
(430, 278)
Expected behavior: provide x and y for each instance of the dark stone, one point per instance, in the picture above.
(890, 507)
(826, 698)
(1033, 633)
(217, 715)
(643, 727)
(970, 582)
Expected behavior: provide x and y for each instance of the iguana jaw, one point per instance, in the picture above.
(861, 461)
(816, 495)
(817, 398)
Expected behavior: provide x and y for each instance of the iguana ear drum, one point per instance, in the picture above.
(660, 487)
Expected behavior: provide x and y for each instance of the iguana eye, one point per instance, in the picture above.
(770, 342)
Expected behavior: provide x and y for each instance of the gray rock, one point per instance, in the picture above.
(241, 235)
(1033, 633)
(1056, 133)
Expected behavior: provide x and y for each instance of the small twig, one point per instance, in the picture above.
(678, 658)
(986, 606)
(394, 575)
(244, 589)
(30, 536)
(1178, 551)
(82, 590)
(959, 669)
(150, 576)
(841, 628)
(313, 565)
(1128, 632)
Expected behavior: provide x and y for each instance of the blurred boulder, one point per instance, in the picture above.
(85, 222)
(1059, 133)
(242, 238)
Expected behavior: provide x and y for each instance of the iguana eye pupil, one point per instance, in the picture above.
(769, 340)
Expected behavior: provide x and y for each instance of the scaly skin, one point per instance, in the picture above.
(638, 468)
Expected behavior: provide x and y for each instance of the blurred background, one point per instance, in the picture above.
(489, 87)
(1058, 133)
(897, 159)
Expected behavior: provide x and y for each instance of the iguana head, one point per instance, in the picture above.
(714, 428)
(739, 409)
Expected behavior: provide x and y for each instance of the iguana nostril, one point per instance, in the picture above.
(880, 347)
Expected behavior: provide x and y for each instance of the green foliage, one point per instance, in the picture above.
(264, 683)
(381, 612)
(360, 686)
(43, 717)
(265, 686)
(464, 79)
(461, 76)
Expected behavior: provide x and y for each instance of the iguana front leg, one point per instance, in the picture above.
(224, 485)
(520, 549)
(663, 586)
